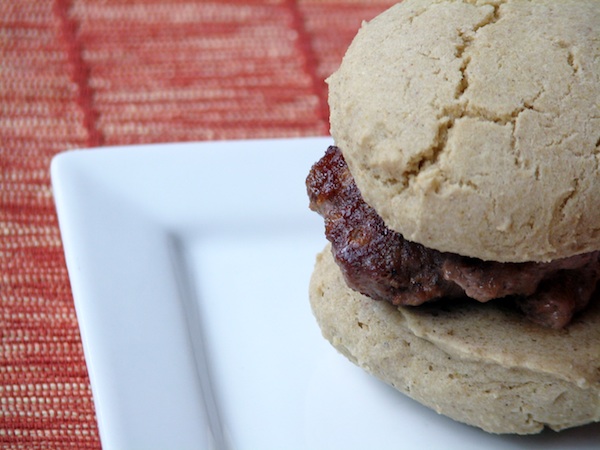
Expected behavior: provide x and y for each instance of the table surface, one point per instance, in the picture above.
(88, 73)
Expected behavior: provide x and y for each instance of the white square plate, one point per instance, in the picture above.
(189, 265)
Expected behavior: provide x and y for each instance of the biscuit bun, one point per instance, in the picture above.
(478, 364)
(474, 127)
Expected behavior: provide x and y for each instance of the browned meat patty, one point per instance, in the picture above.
(381, 264)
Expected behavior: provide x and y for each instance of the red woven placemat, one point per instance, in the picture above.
(77, 74)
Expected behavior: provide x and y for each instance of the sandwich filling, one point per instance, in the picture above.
(379, 263)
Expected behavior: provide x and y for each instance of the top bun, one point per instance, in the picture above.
(474, 127)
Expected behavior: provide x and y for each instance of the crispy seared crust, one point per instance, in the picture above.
(478, 364)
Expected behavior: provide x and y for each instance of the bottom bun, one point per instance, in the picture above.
(480, 364)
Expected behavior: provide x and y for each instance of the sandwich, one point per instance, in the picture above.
(461, 202)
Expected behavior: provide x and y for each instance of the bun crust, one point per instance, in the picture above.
(476, 363)
(474, 127)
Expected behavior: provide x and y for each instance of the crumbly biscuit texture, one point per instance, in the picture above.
(476, 363)
(474, 126)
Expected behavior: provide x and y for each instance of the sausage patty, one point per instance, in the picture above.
(380, 263)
